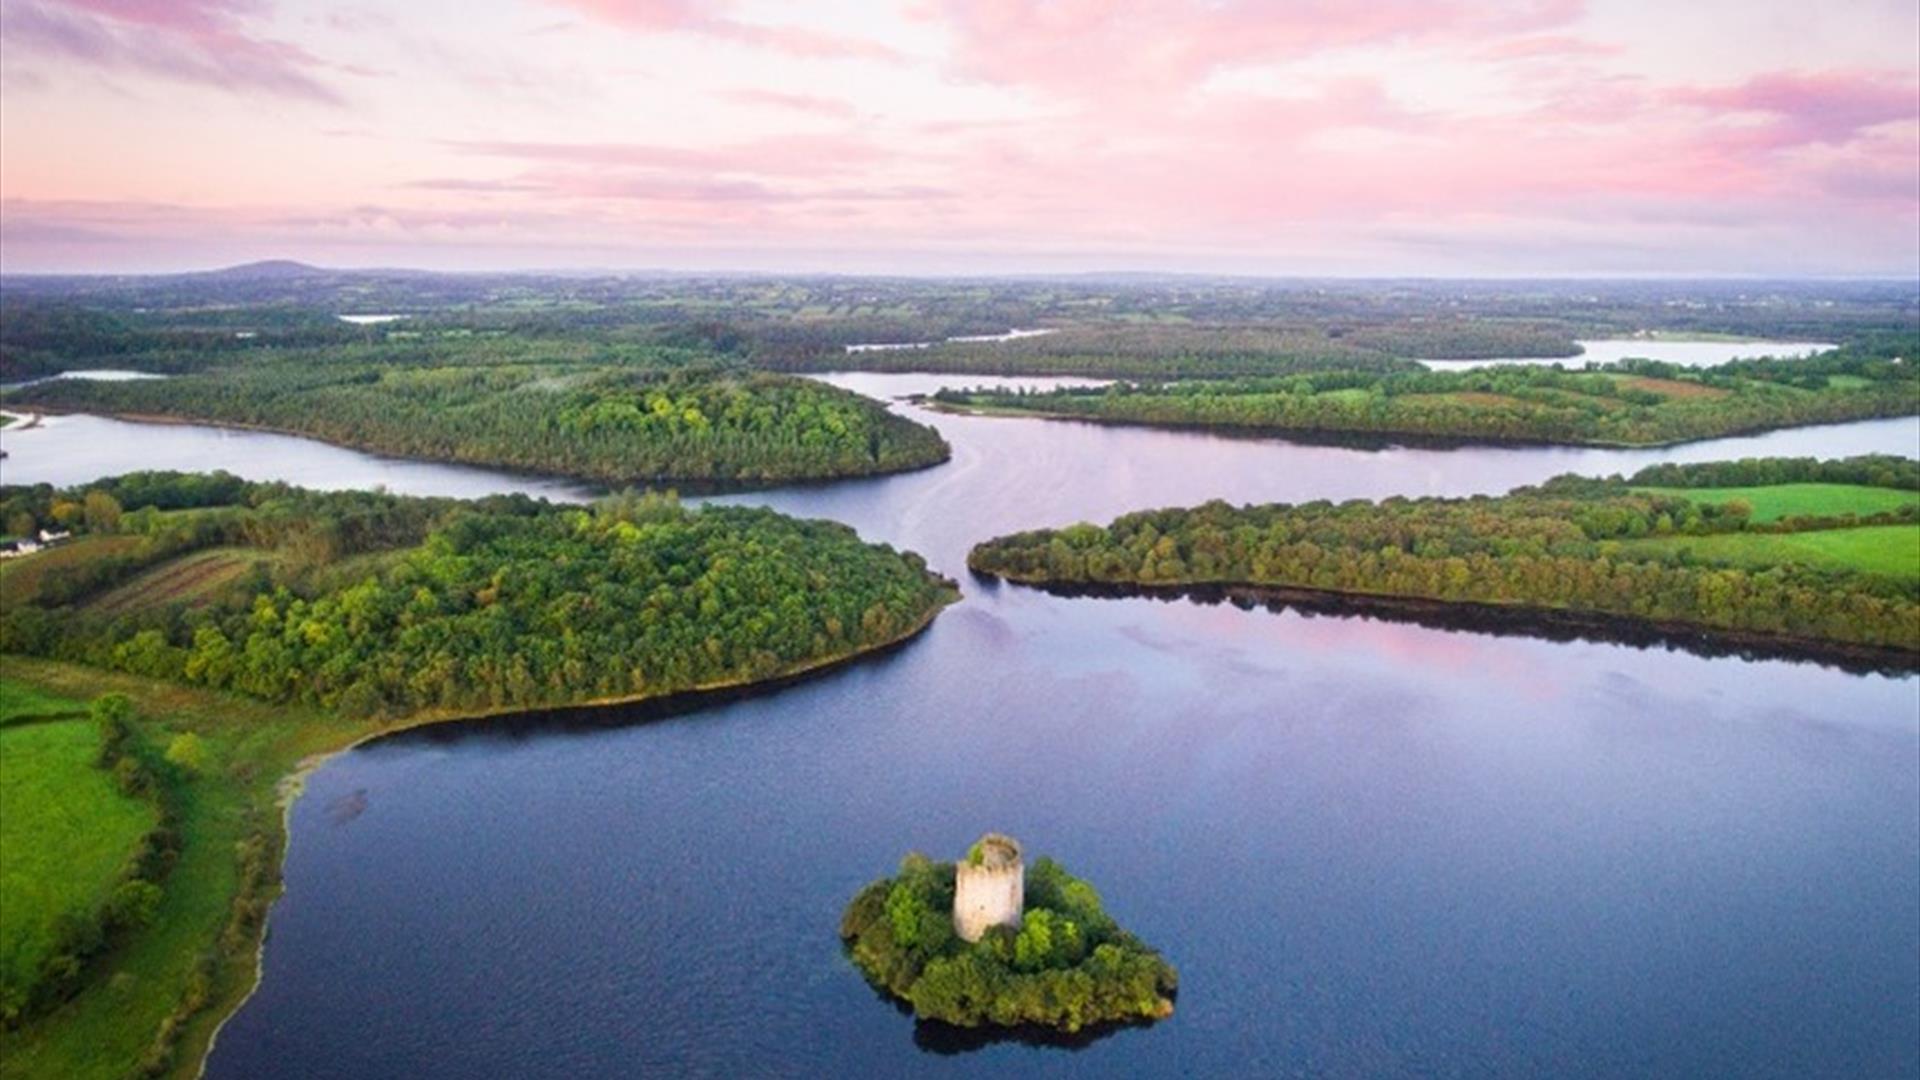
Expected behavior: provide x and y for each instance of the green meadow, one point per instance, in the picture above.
(1776, 501)
(65, 829)
(18, 701)
(1892, 550)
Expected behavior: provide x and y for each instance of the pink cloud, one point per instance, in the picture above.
(786, 155)
(473, 185)
(1550, 46)
(1242, 169)
(691, 17)
(807, 103)
(206, 17)
(1826, 107)
(194, 41)
(685, 187)
(1102, 48)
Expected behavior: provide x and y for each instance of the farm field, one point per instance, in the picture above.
(1893, 550)
(1775, 501)
(187, 580)
(20, 578)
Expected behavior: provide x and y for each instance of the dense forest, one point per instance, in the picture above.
(611, 424)
(1069, 966)
(1574, 544)
(1634, 403)
(374, 604)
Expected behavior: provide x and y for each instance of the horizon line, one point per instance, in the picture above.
(1883, 277)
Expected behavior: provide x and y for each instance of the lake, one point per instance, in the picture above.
(1014, 334)
(1371, 847)
(1687, 353)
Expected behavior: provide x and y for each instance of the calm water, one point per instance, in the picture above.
(77, 448)
(1372, 848)
(1014, 334)
(1689, 353)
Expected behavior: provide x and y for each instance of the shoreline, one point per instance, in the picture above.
(1506, 620)
(1370, 440)
(693, 487)
(291, 785)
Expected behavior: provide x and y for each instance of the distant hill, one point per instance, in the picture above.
(265, 270)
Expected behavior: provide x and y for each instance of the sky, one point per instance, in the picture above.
(1286, 137)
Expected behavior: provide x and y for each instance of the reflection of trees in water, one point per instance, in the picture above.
(1500, 621)
(946, 1040)
(593, 719)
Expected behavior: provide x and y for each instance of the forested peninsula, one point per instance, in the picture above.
(701, 424)
(1633, 403)
(249, 627)
(1822, 554)
(382, 604)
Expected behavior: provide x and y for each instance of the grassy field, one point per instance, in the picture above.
(18, 701)
(190, 579)
(1893, 550)
(65, 832)
(20, 578)
(1674, 388)
(250, 747)
(1775, 501)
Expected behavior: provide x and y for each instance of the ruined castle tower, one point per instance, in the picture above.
(989, 887)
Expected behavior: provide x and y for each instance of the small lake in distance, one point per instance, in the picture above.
(1687, 353)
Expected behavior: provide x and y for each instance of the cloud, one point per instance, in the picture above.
(1826, 107)
(1548, 46)
(475, 186)
(707, 20)
(1101, 49)
(807, 103)
(785, 155)
(192, 41)
(1298, 136)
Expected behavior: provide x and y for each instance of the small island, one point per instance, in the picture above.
(985, 942)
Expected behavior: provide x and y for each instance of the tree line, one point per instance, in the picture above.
(1563, 545)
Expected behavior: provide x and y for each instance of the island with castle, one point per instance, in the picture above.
(989, 941)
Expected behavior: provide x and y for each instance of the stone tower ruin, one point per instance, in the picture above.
(989, 887)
